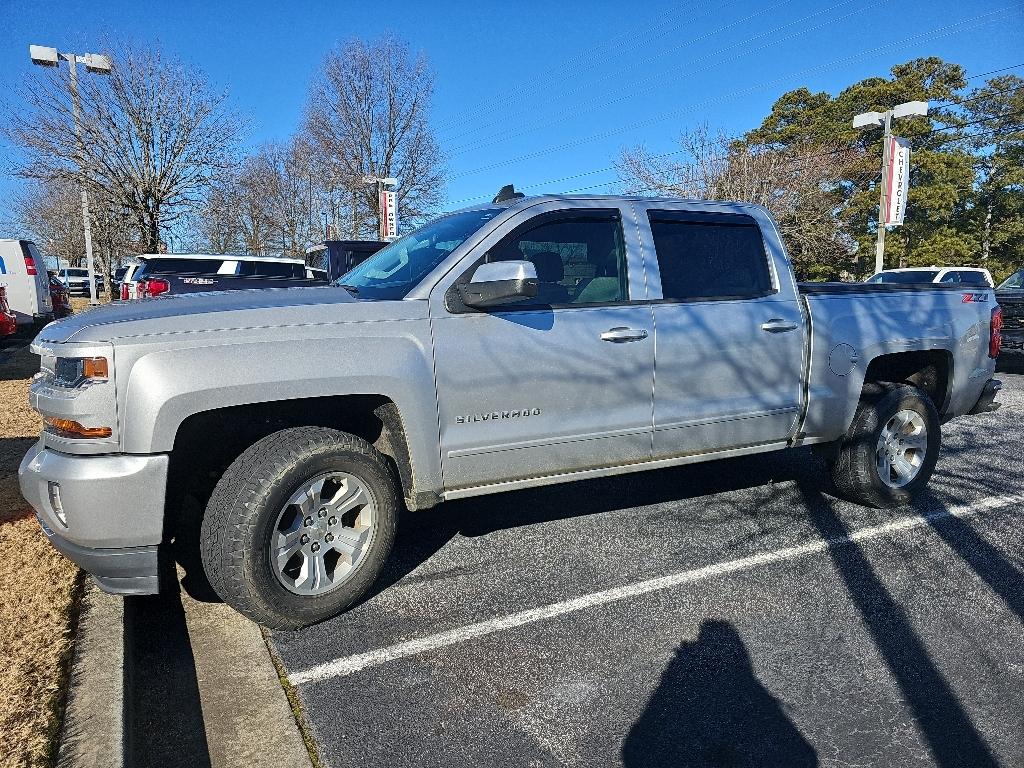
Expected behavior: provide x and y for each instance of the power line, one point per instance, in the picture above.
(579, 63)
(803, 159)
(651, 84)
(938, 32)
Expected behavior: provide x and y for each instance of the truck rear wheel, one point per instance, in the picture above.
(299, 526)
(891, 448)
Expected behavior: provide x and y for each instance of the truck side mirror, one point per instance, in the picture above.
(500, 282)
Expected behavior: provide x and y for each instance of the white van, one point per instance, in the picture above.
(23, 274)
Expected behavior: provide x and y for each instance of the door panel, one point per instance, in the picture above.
(721, 380)
(530, 393)
(730, 333)
(565, 384)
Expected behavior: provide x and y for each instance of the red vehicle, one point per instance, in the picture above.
(8, 325)
(61, 297)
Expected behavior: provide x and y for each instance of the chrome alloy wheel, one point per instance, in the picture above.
(901, 448)
(322, 533)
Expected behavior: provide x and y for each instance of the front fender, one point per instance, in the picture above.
(168, 385)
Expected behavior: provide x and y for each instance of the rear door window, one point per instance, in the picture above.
(705, 257)
(270, 269)
(178, 266)
(970, 277)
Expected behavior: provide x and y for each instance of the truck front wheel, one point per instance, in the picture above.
(890, 451)
(299, 526)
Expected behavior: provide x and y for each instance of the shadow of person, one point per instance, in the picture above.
(710, 710)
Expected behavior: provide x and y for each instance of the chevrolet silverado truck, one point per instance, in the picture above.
(514, 344)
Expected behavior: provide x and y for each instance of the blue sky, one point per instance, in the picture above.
(535, 92)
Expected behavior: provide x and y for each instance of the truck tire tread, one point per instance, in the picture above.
(235, 514)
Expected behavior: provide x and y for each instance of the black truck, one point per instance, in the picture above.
(1010, 295)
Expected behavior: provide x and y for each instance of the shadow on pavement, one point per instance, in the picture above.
(947, 728)
(1002, 577)
(422, 534)
(163, 716)
(711, 710)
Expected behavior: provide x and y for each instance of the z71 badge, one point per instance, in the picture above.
(975, 298)
(515, 413)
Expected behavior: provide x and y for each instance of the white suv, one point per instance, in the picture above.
(965, 275)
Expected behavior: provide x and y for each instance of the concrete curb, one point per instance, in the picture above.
(92, 733)
(167, 680)
(248, 719)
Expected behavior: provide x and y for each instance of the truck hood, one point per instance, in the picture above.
(216, 311)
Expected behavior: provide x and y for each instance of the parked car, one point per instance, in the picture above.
(959, 275)
(117, 281)
(333, 258)
(23, 274)
(8, 323)
(1010, 295)
(158, 274)
(60, 297)
(504, 346)
(77, 280)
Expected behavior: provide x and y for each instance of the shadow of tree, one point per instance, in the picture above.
(711, 710)
(947, 728)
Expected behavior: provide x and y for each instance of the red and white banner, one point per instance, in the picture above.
(898, 181)
(388, 215)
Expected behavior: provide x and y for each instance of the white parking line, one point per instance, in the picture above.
(349, 664)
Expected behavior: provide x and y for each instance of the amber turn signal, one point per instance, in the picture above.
(69, 428)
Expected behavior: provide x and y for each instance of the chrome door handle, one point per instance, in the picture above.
(775, 325)
(622, 335)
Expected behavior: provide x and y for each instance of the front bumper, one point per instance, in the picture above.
(111, 512)
(121, 571)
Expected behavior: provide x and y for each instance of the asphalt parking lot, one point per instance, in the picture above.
(789, 628)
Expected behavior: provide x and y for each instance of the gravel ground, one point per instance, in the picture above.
(39, 590)
(902, 646)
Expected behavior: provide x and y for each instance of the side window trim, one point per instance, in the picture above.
(453, 299)
(727, 219)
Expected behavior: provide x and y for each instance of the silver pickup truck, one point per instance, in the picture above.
(524, 342)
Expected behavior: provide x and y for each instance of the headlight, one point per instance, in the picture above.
(75, 371)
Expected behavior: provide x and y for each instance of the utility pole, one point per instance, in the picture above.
(884, 119)
(100, 65)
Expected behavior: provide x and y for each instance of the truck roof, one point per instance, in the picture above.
(222, 256)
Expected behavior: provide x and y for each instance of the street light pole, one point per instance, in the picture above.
(72, 61)
(883, 198)
(97, 64)
(884, 119)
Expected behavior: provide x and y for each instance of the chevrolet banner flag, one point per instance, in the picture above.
(898, 181)
(388, 215)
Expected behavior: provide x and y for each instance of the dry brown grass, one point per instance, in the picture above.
(39, 593)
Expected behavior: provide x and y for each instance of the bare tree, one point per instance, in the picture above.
(367, 115)
(801, 185)
(51, 215)
(153, 134)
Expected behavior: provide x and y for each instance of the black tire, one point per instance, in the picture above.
(855, 473)
(242, 514)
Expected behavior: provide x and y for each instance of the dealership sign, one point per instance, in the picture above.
(898, 181)
(388, 215)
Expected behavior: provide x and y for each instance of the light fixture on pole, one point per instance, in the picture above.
(98, 64)
(873, 120)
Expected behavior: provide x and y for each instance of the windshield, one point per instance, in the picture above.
(914, 276)
(398, 268)
(1016, 280)
(76, 272)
